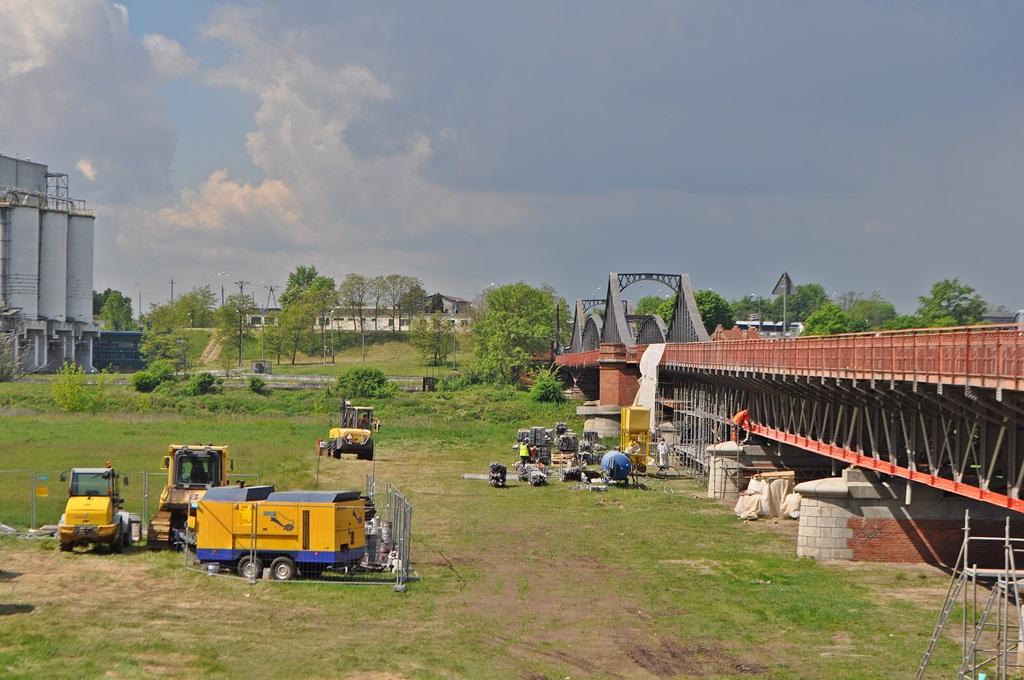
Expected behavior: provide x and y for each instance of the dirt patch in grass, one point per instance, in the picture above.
(669, 658)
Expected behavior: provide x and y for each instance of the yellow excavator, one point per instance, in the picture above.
(191, 470)
(354, 433)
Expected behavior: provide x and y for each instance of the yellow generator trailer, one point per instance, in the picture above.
(191, 470)
(354, 433)
(291, 532)
(94, 514)
(635, 435)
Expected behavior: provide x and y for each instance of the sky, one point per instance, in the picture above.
(865, 146)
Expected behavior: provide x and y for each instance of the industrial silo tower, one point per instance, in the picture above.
(46, 259)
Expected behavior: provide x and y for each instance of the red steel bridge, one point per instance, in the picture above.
(941, 407)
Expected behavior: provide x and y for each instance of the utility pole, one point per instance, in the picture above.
(241, 318)
(222, 275)
(172, 290)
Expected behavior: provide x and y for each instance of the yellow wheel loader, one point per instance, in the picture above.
(191, 470)
(94, 514)
(354, 433)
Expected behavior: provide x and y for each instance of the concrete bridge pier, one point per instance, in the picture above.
(861, 518)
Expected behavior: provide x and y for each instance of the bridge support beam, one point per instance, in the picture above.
(620, 381)
(857, 517)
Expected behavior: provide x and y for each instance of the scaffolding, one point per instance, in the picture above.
(991, 632)
(700, 417)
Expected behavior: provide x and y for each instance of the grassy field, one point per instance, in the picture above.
(393, 355)
(516, 583)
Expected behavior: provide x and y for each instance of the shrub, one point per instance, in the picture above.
(201, 383)
(258, 385)
(461, 381)
(144, 381)
(158, 372)
(69, 390)
(365, 382)
(547, 387)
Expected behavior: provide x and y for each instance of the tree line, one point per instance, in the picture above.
(302, 324)
(949, 302)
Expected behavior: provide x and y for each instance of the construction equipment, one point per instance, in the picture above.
(354, 433)
(191, 470)
(293, 532)
(496, 475)
(635, 436)
(94, 514)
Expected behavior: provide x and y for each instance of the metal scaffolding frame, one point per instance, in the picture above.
(989, 598)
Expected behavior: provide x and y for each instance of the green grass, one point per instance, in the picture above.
(394, 356)
(521, 582)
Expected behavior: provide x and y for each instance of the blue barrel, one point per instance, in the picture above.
(616, 466)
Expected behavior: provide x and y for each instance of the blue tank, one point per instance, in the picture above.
(615, 466)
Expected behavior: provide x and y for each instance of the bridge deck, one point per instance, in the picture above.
(980, 356)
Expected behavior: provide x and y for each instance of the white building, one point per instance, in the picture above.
(46, 263)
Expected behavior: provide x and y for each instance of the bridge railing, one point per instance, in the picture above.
(984, 356)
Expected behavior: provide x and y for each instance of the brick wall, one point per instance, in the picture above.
(619, 383)
(882, 528)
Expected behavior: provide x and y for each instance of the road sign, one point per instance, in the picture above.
(784, 286)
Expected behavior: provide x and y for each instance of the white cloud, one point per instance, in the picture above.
(317, 196)
(78, 85)
(86, 168)
(168, 57)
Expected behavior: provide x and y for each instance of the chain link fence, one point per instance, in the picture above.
(31, 498)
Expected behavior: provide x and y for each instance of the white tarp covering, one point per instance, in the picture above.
(649, 376)
(768, 497)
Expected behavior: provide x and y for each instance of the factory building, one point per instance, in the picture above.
(46, 259)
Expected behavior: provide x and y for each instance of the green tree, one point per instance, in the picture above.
(365, 382)
(233, 325)
(656, 304)
(70, 393)
(433, 337)
(195, 308)
(871, 313)
(802, 303)
(397, 292)
(356, 291)
(116, 311)
(295, 325)
(299, 281)
(515, 324)
(714, 310)
(827, 319)
(951, 303)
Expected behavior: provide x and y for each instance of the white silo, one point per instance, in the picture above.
(53, 265)
(22, 264)
(80, 254)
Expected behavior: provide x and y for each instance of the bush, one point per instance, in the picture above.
(258, 385)
(69, 390)
(365, 382)
(547, 387)
(201, 383)
(157, 373)
(453, 383)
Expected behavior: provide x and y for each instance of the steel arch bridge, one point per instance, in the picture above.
(619, 325)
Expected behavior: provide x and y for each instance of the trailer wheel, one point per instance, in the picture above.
(282, 569)
(250, 567)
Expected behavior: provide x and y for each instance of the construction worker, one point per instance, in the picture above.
(742, 422)
(524, 453)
